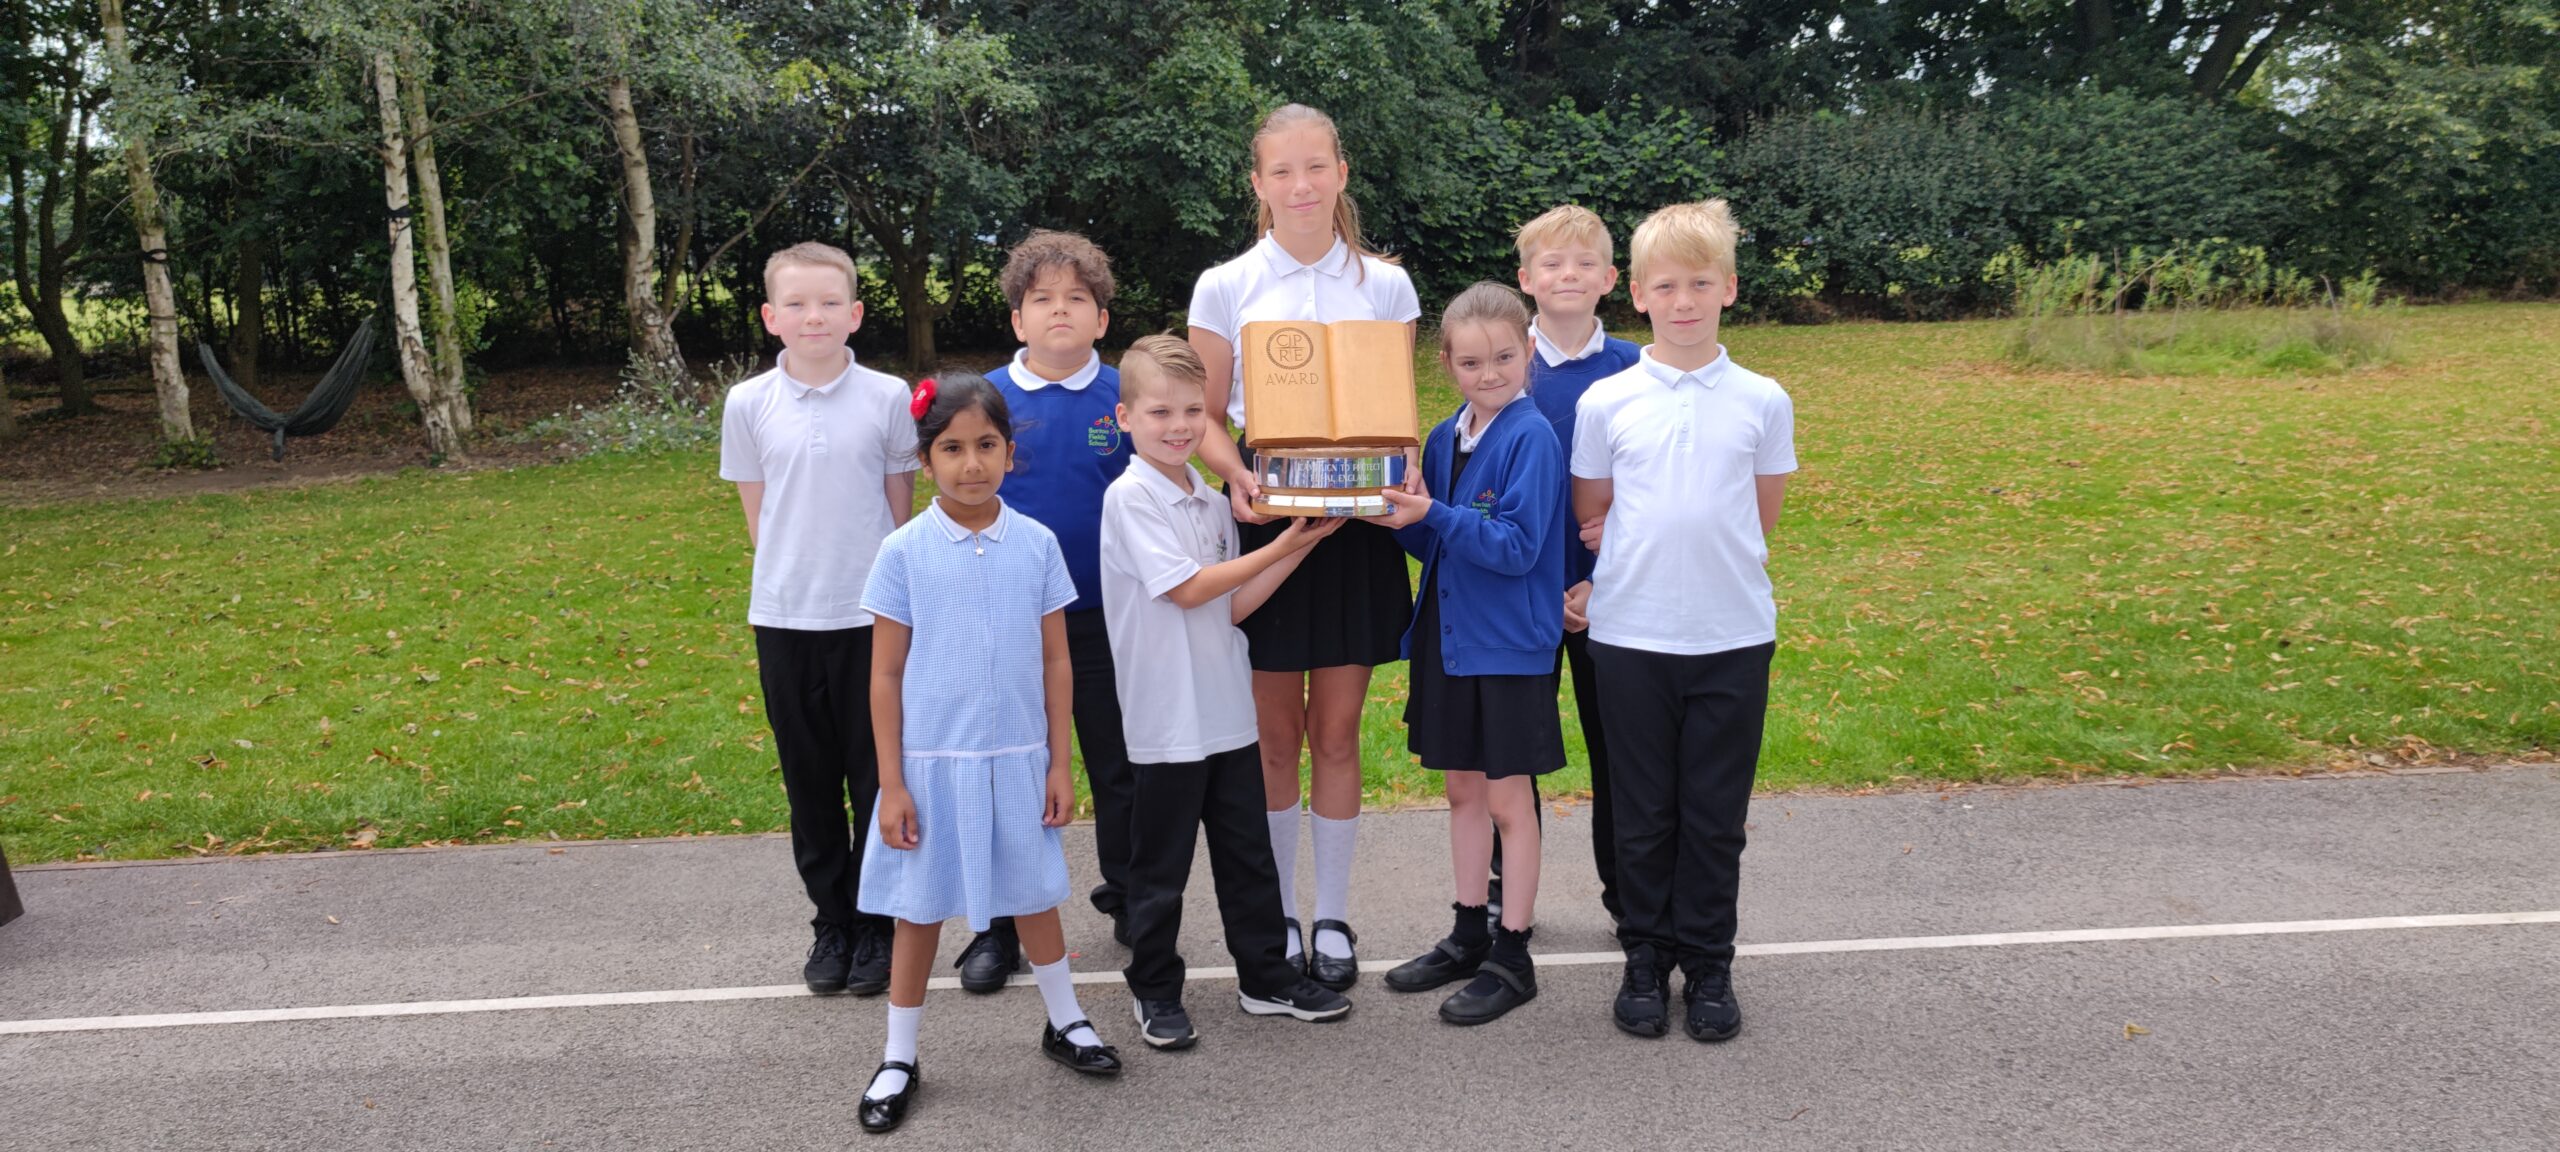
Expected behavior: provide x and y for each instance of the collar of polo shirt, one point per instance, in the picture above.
(952, 530)
(1168, 491)
(1553, 355)
(1672, 377)
(1334, 261)
(800, 391)
(1076, 381)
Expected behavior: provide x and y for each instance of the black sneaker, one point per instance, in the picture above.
(988, 960)
(1306, 1000)
(1641, 1009)
(1714, 1014)
(1164, 1025)
(828, 962)
(867, 973)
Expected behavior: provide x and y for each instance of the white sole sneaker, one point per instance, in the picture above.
(1254, 1007)
(1175, 1044)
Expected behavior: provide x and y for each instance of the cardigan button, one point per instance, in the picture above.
(1444, 629)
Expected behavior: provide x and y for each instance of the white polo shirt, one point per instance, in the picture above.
(823, 454)
(1555, 355)
(1267, 283)
(1683, 564)
(1186, 687)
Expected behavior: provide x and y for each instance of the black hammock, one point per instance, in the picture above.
(320, 410)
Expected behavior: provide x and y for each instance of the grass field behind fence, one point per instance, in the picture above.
(1983, 573)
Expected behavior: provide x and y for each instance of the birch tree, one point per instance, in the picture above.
(132, 120)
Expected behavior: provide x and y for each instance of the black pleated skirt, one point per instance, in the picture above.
(1498, 725)
(1347, 603)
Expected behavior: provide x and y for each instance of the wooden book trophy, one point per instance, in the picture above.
(1329, 412)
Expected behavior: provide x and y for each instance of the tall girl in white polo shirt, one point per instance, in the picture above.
(970, 684)
(1314, 643)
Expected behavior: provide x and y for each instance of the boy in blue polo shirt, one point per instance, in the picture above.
(1067, 451)
(1566, 266)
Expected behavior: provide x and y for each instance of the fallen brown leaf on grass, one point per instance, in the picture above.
(2132, 1030)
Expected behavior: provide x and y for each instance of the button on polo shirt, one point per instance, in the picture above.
(822, 453)
(1682, 565)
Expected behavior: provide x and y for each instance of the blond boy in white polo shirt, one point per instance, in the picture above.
(823, 451)
(1685, 456)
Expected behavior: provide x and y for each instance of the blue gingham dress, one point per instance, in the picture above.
(975, 728)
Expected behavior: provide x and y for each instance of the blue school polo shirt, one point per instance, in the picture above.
(1557, 380)
(1067, 449)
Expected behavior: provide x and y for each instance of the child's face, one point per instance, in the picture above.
(969, 459)
(1058, 319)
(1163, 420)
(1299, 174)
(1489, 362)
(813, 308)
(1568, 281)
(1686, 302)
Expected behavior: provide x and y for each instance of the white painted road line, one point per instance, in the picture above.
(1556, 960)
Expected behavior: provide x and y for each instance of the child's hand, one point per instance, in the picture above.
(1304, 531)
(1591, 532)
(1413, 470)
(1407, 509)
(898, 825)
(1062, 798)
(1242, 491)
(1577, 607)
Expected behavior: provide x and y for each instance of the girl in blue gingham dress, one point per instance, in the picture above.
(970, 685)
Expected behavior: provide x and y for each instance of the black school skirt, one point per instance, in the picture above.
(1499, 725)
(1347, 603)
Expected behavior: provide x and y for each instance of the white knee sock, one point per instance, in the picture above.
(1284, 853)
(1334, 841)
(903, 1026)
(1058, 993)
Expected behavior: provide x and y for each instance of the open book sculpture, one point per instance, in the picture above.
(1329, 412)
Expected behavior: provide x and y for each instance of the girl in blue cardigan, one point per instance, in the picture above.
(1482, 706)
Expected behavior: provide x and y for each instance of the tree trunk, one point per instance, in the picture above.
(2237, 26)
(8, 412)
(249, 308)
(448, 331)
(40, 283)
(915, 300)
(444, 438)
(167, 378)
(683, 250)
(653, 340)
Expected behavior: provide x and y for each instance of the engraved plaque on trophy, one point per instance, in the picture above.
(1329, 412)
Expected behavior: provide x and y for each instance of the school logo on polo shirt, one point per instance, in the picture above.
(1104, 436)
(1484, 503)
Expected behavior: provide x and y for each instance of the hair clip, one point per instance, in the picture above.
(923, 401)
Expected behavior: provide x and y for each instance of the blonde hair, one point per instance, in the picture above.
(1702, 234)
(1485, 303)
(1346, 211)
(811, 254)
(1562, 225)
(1043, 250)
(1163, 354)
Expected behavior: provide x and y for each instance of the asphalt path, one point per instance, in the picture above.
(1871, 1034)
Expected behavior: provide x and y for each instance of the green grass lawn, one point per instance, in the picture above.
(1983, 573)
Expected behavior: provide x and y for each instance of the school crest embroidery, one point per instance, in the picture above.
(1103, 436)
(1484, 503)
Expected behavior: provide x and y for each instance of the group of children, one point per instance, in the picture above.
(1590, 506)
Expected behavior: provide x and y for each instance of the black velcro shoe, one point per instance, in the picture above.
(1306, 1000)
(1714, 1014)
(988, 961)
(888, 1112)
(867, 971)
(1447, 962)
(1164, 1025)
(829, 959)
(1336, 972)
(1090, 1059)
(1642, 1009)
(1497, 989)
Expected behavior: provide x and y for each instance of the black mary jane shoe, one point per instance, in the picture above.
(1090, 1059)
(888, 1112)
(1497, 989)
(1337, 973)
(1447, 962)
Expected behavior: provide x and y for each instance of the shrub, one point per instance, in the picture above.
(649, 414)
(2206, 309)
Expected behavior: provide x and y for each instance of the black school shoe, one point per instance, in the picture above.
(1497, 989)
(1164, 1025)
(867, 970)
(1714, 1014)
(1641, 1009)
(1306, 1000)
(829, 960)
(988, 961)
(1090, 1059)
(1446, 963)
(888, 1112)
(1336, 972)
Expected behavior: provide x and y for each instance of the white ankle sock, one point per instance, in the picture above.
(1284, 853)
(904, 1023)
(1334, 842)
(1058, 993)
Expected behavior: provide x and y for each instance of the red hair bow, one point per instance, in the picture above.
(923, 401)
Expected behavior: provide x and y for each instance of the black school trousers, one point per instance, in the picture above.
(817, 697)
(1175, 804)
(1105, 750)
(1684, 746)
